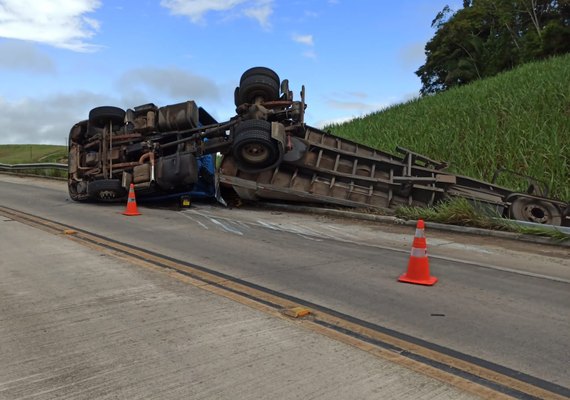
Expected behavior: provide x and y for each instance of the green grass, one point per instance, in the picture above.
(519, 120)
(460, 211)
(35, 153)
(32, 153)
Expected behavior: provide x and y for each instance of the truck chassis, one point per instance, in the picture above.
(268, 152)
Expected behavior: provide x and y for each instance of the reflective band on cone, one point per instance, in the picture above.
(418, 252)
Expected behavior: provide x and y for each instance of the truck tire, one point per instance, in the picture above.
(100, 116)
(253, 148)
(255, 86)
(74, 191)
(259, 71)
(77, 132)
(106, 190)
(534, 210)
(252, 124)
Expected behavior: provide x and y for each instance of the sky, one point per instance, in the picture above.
(61, 58)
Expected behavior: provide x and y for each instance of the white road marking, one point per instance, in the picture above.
(268, 225)
(194, 220)
(349, 238)
(304, 233)
(226, 227)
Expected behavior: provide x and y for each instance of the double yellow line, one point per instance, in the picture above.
(474, 375)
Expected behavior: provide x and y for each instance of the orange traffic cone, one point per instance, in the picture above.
(131, 203)
(418, 266)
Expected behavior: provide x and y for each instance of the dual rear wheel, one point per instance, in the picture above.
(258, 83)
(254, 149)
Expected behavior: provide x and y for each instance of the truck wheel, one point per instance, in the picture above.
(100, 116)
(259, 71)
(106, 190)
(76, 191)
(257, 82)
(253, 148)
(77, 132)
(533, 210)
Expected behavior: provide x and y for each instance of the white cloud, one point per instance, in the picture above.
(46, 120)
(356, 103)
(259, 10)
(360, 95)
(350, 111)
(59, 23)
(22, 56)
(304, 39)
(333, 121)
(343, 106)
(174, 83)
(195, 9)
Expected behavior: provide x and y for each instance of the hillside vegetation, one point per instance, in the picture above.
(518, 120)
(32, 153)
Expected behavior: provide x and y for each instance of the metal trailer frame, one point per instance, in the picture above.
(270, 153)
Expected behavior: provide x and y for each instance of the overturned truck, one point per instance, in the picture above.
(267, 152)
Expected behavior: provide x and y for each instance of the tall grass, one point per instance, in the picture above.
(460, 211)
(519, 120)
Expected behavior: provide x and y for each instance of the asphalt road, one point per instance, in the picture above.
(507, 304)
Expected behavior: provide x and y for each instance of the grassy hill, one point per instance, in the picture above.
(32, 153)
(519, 120)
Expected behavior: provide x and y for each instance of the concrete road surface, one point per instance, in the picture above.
(76, 324)
(498, 300)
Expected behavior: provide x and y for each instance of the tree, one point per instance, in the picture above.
(486, 37)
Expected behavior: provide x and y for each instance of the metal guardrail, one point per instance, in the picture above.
(17, 167)
(47, 170)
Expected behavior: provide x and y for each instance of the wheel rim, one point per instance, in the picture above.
(77, 190)
(539, 212)
(254, 153)
(107, 195)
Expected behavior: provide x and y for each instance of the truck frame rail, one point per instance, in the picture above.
(268, 152)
